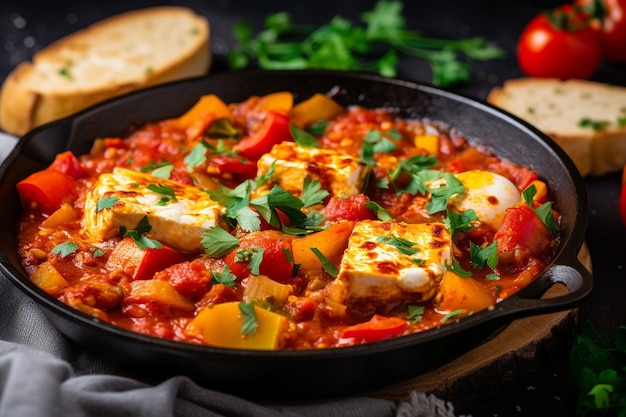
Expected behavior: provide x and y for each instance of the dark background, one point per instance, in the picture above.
(27, 26)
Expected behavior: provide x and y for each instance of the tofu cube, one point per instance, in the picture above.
(390, 262)
(177, 222)
(339, 174)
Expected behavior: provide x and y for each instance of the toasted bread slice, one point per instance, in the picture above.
(117, 55)
(587, 119)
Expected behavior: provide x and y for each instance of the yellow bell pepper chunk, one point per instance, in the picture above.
(430, 143)
(221, 325)
(317, 107)
(330, 242)
(158, 291)
(48, 278)
(280, 102)
(207, 109)
(465, 294)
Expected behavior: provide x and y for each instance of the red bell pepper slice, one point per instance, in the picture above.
(378, 328)
(45, 190)
(227, 164)
(273, 130)
(141, 263)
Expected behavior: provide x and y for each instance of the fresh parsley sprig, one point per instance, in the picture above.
(544, 211)
(138, 235)
(371, 46)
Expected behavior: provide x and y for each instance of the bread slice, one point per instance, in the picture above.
(117, 55)
(587, 119)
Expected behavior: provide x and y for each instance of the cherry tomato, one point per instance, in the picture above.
(559, 44)
(609, 19)
(378, 328)
(274, 260)
(273, 130)
(622, 198)
(350, 208)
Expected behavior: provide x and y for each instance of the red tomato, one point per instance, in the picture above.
(45, 190)
(378, 328)
(522, 229)
(274, 263)
(622, 198)
(275, 129)
(349, 208)
(68, 164)
(141, 263)
(559, 44)
(609, 19)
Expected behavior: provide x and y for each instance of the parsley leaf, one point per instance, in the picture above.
(312, 192)
(481, 256)
(379, 211)
(329, 267)
(224, 277)
(404, 246)
(459, 222)
(303, 138)
(458, 269)
(217, 242)
(415, 313)
(371, 46)
(250, 323)
(544, 212)
(440, 195)
(106, 202)
(65, 249)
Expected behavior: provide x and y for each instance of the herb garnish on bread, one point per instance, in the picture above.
(587, 119)
(117, 55)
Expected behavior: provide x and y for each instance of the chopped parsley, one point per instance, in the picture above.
(106, 202)
(451, 315)
(593, 124)
(137, 234)
(404, 246)
(415, 313)
(544, 212)
(481, 256)
(440, 195)
(224, 277)
(303, 138)
(329, 267)
(65, 249)
(250, 323)
(217, 242)
(459, 222)
(379, 211)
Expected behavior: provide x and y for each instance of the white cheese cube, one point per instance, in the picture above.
(390, 262)
(177, 222)
(339, 174)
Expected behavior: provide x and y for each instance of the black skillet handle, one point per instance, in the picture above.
(572, 274)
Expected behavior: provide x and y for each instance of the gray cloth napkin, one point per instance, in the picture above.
(43, 373)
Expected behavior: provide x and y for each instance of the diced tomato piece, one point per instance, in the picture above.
(45, 190)
(521, 228)
(68, 164)
(274, 262)
(118, 143)
(191, 279)
(378, 328)
(273, 130)
(350, 208)
(140, 263)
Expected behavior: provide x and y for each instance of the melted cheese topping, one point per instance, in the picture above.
(375, 272)
(338, 173)
(177, 222)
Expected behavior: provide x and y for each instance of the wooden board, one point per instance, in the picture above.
(519, 351)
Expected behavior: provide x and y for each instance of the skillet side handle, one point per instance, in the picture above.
(574, 276)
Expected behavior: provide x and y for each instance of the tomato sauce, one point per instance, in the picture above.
(283, 283)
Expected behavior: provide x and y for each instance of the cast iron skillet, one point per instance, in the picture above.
(314, 373)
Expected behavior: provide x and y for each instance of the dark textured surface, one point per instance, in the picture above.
(27, 26)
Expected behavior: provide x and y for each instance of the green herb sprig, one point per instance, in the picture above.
(374, 46)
